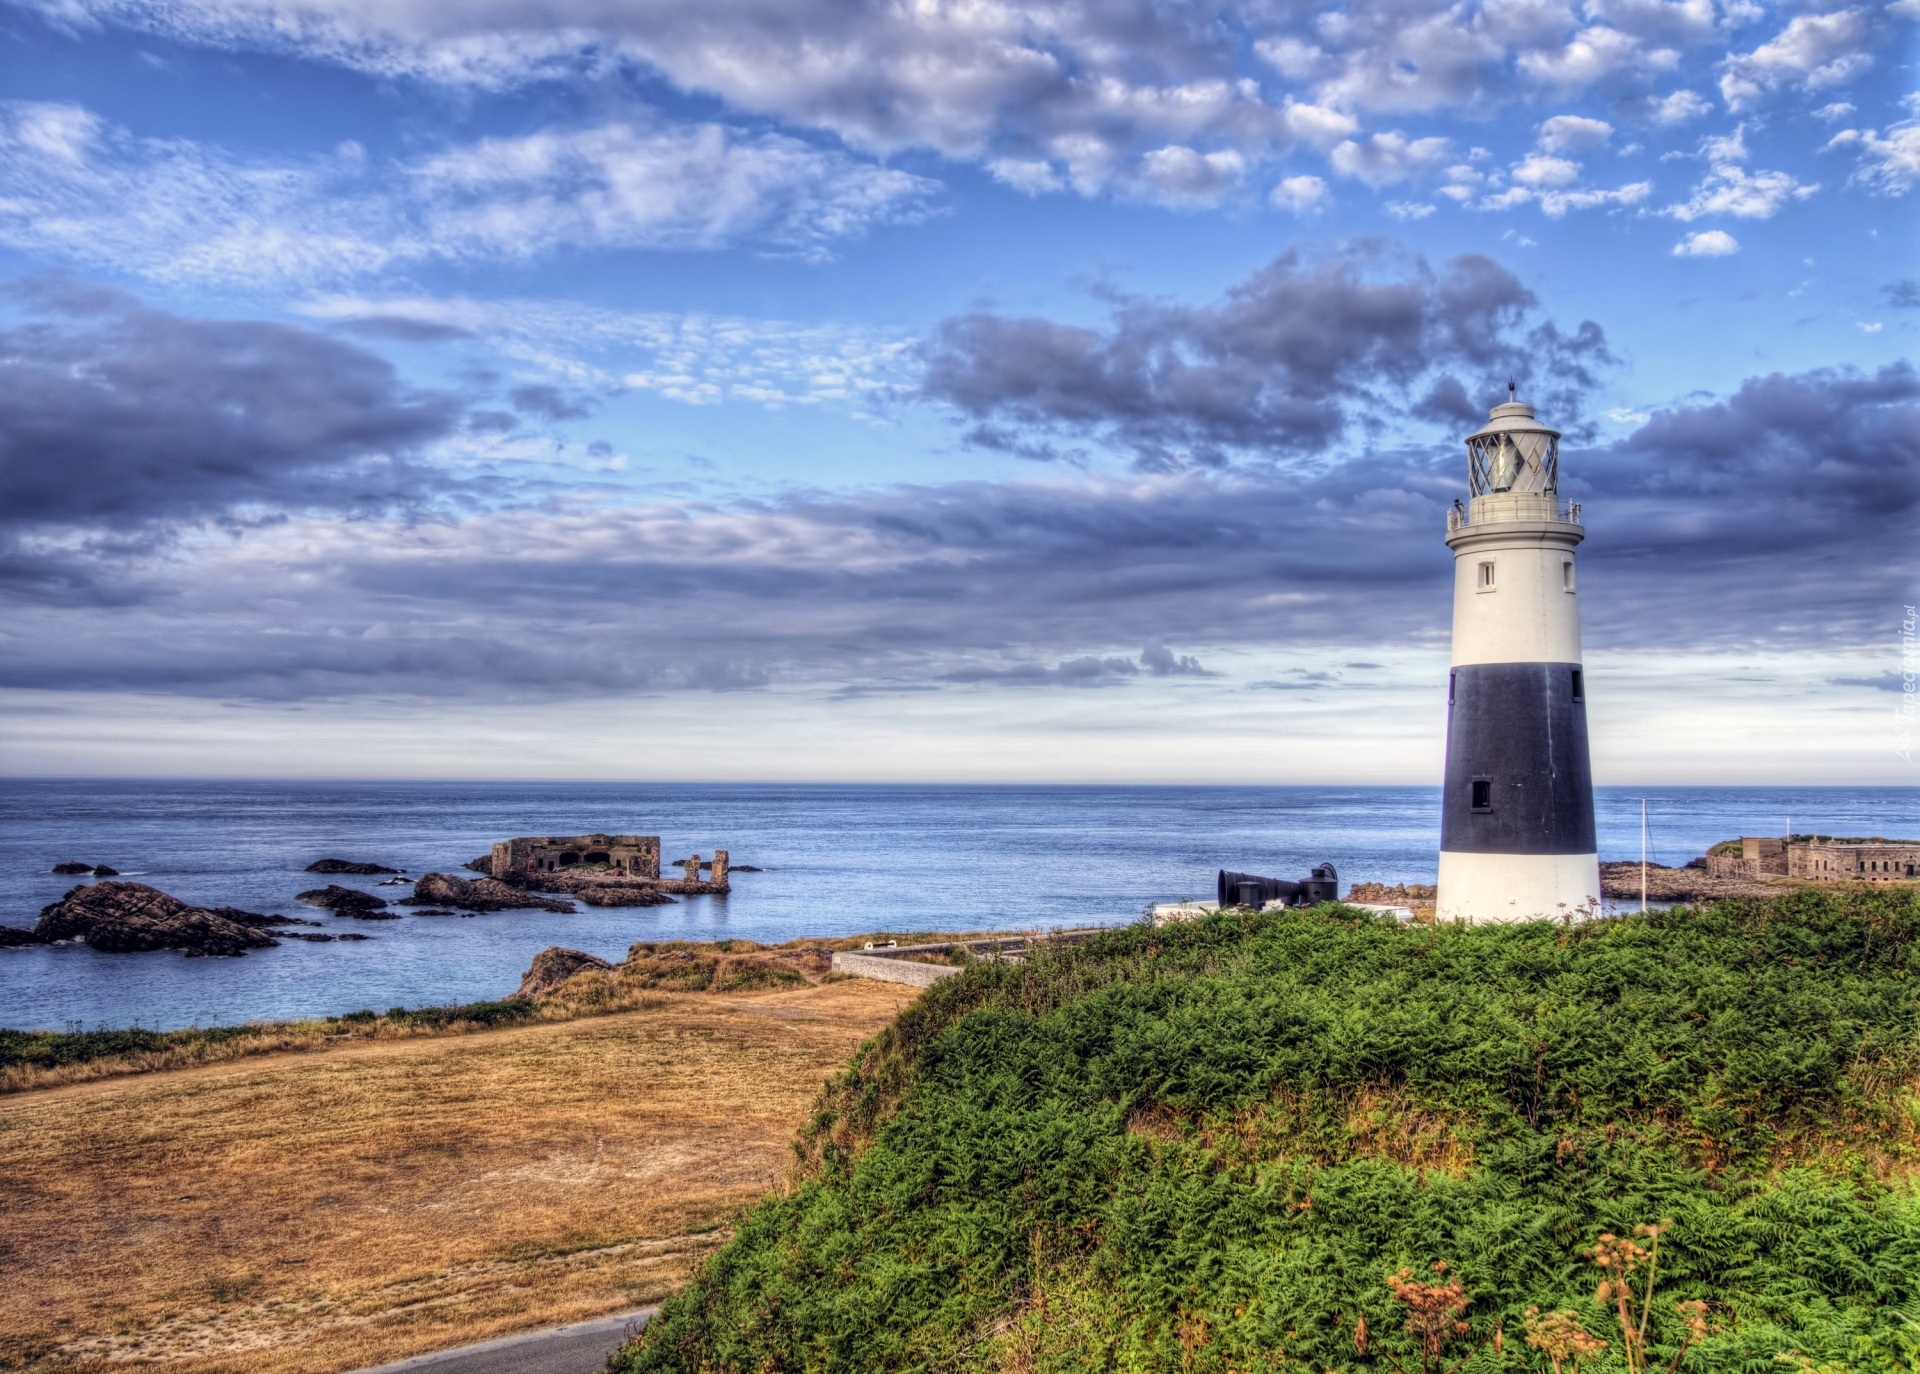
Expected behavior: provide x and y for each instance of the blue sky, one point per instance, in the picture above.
(743, 389)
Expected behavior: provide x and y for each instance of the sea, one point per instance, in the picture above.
(836, 860)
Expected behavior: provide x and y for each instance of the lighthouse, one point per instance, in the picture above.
(1516, 822)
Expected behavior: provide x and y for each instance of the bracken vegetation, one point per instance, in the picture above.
(1317, 1141)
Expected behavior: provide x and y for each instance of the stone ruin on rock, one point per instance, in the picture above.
(591, 867)
(630, 856)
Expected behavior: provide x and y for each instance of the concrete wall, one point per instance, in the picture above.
(891, 970)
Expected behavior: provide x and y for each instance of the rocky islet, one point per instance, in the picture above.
(127, 918)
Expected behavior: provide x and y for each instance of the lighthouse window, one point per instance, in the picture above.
(1486, 577)
(1482, 795)
(1452, 678)
(1579, 687)
(1566, 575)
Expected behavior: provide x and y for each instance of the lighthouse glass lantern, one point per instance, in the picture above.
(1516, 831)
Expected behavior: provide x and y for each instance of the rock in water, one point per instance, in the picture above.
(483, 864)
(124, 918)
(102, 871)
(348, 866)
(622, 894)
(13, 938)
(72, 866)
(341, 901)
(552, 966)
(479, 894)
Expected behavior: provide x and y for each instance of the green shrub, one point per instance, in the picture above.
(1206, 1147)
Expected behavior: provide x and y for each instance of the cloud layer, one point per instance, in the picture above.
(1173, 101)
(232, 508)
(86, 191)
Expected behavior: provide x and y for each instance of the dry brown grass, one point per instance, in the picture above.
(650, 968)
(324, 1211)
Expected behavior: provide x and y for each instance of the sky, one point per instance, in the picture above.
(968, 390)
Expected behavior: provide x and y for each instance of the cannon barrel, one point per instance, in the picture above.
(1250, 889)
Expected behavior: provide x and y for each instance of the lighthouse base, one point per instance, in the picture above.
(1517, 887)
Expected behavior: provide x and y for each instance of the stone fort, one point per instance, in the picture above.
(635, 856)
(1821, 859)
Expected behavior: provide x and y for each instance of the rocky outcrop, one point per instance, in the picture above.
(553, 966)
(71, 867)
(1621, 880)
(1417, 896)
(478, 894)
(13, 938)
(349, 866)
(622, 894)
(125, 918)
(483, 864)
(344, 901)
(595, 889)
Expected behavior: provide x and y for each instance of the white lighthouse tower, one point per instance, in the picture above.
(1516, 822)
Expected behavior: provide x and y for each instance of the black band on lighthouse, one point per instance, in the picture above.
(1518, 780)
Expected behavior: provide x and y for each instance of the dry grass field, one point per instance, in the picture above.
(310, 1213)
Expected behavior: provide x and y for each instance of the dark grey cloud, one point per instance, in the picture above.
(116, 415)
(403, 329)
(1088, 670)
(549, 403)
(1903, 294)
(1289, 362)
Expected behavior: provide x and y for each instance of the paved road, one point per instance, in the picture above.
(579, 1349)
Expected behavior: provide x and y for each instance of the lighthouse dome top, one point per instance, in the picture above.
(1513, 453)
(1511, 416)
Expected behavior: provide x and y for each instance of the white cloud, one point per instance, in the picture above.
(1183, 176)
(686, 186)
(1318, 125)
(173, 210)
(1726, 147)
(1677, 108)
(1462, 181)
(694, 358)
(1290, 56)
(1554, 204)
(1409, 210)
(1573, 133)
(1814, 51)
(1835, 112)
(1386, 158)
(1732, 190)
(1595, 52)
(1538, 170)
(1709, 243)
(1301, 194)
(1889, 162)
(1030, 175)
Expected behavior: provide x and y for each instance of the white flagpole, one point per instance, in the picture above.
(1643, 856)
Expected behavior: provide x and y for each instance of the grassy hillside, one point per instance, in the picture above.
(1247, 1143)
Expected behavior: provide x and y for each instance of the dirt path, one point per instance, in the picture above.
(315, 1212)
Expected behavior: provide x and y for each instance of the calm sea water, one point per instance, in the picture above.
(839, 860)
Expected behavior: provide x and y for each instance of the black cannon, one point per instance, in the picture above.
(1248, 889)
